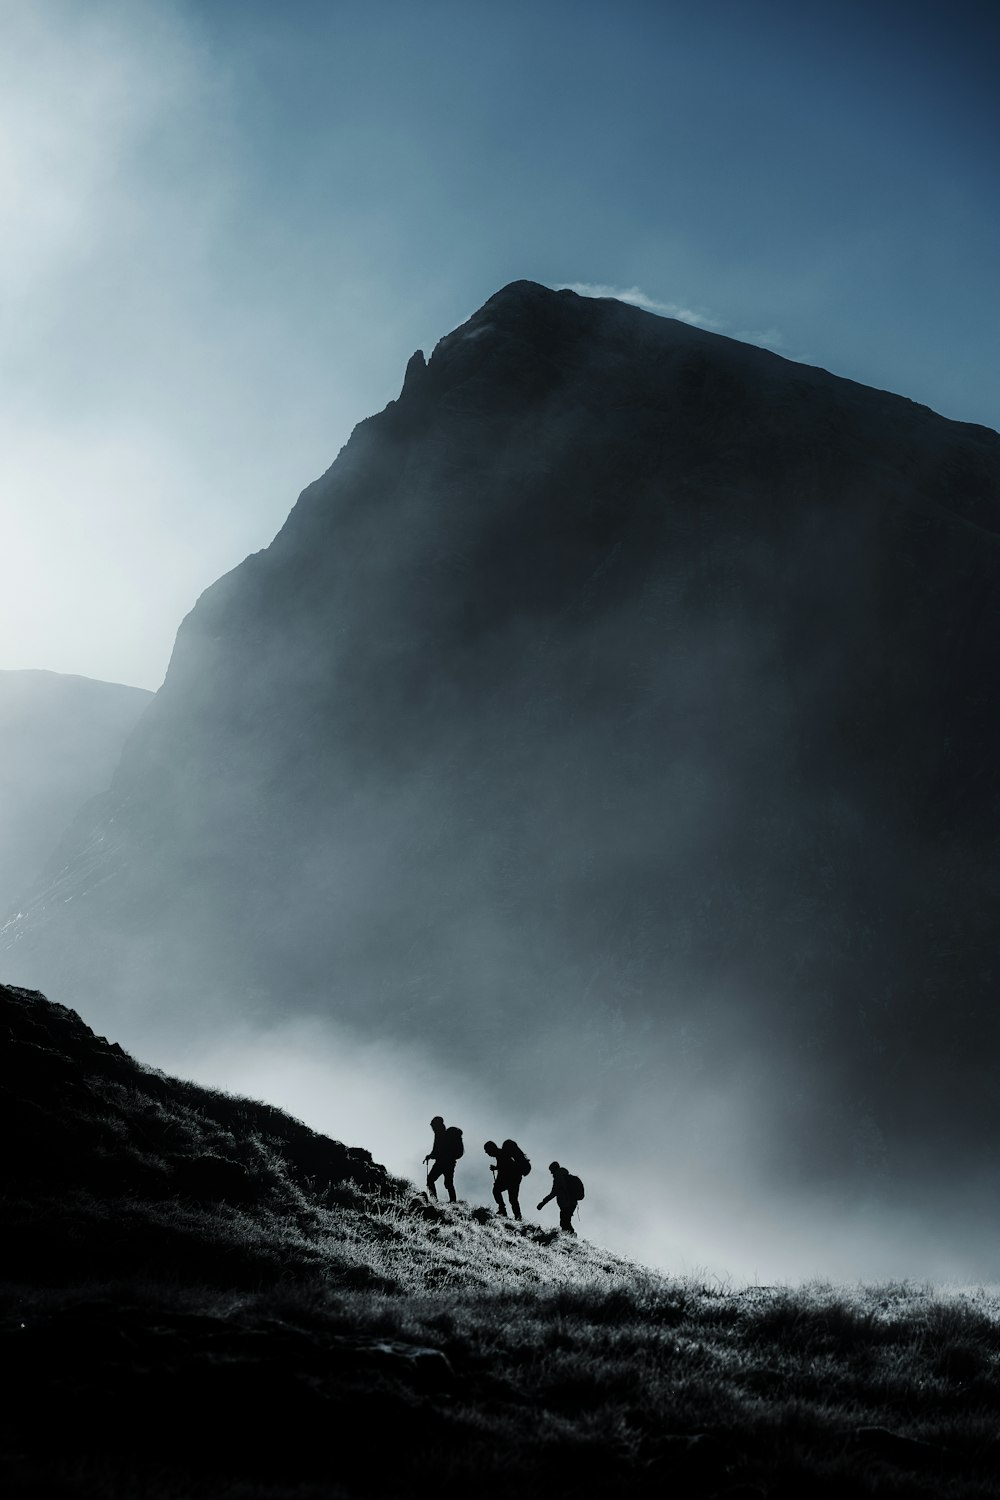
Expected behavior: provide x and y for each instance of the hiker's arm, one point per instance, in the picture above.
(548, 1199)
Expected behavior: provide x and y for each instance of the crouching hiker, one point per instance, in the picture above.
(567, 1190)
(444, 1153)
(510, 1168)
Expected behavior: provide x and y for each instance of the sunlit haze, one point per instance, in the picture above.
(541, 775)
(228, 225)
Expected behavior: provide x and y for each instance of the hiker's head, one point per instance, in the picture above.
(437, 1120)
(491, 1148)
(554, 1167)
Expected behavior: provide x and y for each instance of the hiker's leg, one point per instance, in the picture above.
(432, 1177)
(566, 1220)
(498, 1199)
(449, 1180)
(515, 1206)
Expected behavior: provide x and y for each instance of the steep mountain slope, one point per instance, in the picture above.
(60, 740)
(620, 703)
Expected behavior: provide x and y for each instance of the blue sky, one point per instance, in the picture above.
(229, 223)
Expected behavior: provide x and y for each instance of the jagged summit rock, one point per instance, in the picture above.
(416, 369)
(618, 682)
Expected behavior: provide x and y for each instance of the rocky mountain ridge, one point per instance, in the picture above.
(620, 688)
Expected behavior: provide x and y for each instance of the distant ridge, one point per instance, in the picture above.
(60, 740)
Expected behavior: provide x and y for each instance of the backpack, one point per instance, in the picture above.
(518, 1157)
(453, 1142)
(574, 1186)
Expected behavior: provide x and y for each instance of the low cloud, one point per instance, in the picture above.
(636, 297)
(765, 338)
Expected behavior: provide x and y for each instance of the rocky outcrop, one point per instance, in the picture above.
(77, 1113)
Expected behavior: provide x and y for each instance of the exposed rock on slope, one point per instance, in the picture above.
(617, 681)
(115, 1168)
(60, 740)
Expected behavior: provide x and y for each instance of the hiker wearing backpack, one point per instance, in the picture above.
(567, 1190)
(510, 1167)
(444, 1153)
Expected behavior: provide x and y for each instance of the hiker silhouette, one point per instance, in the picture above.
(444, 1153)
(567, 1190)
(510, 1167)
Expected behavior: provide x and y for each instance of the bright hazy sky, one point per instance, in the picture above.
(228, 223)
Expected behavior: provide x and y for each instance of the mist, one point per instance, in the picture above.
(154, 310)
(61, 739)
(611, 794)
(599, 751)
(692, 1191)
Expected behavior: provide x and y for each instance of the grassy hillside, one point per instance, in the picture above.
(202, 1297)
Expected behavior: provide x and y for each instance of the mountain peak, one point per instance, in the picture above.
(521, 291)
(619, 663)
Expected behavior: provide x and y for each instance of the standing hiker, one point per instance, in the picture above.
(567, 1190)
(444, 1153)
(509, 1169)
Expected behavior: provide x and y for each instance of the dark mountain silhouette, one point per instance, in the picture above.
(60, 741)
(114, 1168)
(621, 689)
(200, 1295)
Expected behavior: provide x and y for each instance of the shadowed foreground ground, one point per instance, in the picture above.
(204, 1298)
